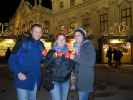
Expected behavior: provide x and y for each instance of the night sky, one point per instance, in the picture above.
(8, 8)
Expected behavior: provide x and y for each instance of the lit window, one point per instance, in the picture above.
(126, 16)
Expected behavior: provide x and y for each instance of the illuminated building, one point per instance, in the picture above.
(108, 21)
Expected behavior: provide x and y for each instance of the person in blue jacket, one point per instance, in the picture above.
(25, 62)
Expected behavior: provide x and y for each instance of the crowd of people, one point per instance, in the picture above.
(63, 74)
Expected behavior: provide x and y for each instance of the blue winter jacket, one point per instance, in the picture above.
(27, 59)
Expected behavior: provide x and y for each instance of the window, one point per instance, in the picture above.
(61, 4)
(103, 22)
(72, 3)
(126, 16)
(46, 3)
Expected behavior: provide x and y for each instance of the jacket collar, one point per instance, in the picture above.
(33, 40)
(85, 41)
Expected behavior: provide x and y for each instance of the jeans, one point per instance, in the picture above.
(83, 95)
(60, 91)
(24, 94)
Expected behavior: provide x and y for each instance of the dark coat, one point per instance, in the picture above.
(60, 67)
(109, 53)
(26, 58)
(86, 66)
(117, 55)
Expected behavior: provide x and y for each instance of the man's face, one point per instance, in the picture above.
(36, 32)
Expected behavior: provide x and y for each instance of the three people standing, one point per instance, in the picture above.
(25, 65)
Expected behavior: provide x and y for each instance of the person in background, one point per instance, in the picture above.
(117, 57)
(85, 64)
(25, 62)
(7, 55)
(109, 55)
(120, 56)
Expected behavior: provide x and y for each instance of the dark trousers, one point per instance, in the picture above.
(110, 61)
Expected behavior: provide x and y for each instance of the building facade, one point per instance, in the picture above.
(101, 18)
(98, 16)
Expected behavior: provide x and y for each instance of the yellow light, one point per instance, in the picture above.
(116, 41)
(4, 44)
(48, 45)
(70, 44)
(9, 41)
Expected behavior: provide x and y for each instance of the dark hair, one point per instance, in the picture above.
(36, 25)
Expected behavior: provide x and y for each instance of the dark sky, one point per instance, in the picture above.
(8, 8)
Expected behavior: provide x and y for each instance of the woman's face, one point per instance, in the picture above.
(78, 37)
(61, 40)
